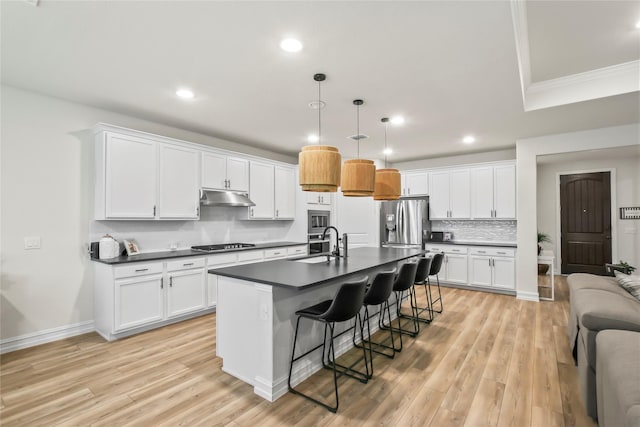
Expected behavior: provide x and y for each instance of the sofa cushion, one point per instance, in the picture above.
(618, 378)
(630, 283)
(579, 281)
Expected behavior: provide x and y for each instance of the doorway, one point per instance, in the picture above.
(585, 222)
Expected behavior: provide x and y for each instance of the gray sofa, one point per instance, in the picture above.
(597, 303)
(618, 378)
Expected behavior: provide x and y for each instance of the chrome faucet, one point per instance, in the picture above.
(336, 250)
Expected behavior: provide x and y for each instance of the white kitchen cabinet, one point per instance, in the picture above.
(272, 189)
(138, 296)
(126, 176)
(187, 288)
(492, 267)
(220, 172)
(261, 190)
(449, 194)
(415, 183)
(285, 192)
(178, 179)
(217, 261)
(493, 192)
(314, 198)
(455, 268)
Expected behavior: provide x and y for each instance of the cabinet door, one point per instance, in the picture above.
(480, 270)
(482, 193)
(439, 195)
(285, 192)
(261, 190)
(178, 194)
(214, 171)
(186, 292)
(131, 175)
(138, 301)
(505, 191)
(313, 198)
(459, 195)
(456, 268)
(325, 198)
(504, 273)
(416, 184)
(238, 174)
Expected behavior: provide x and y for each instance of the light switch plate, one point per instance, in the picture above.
(32, 242)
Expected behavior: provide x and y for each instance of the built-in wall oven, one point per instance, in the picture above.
(318, 221)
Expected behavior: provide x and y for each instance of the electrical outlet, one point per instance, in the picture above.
(32, 242)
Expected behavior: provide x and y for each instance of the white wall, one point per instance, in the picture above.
(47, 191)
(625, 164)
(527, 151)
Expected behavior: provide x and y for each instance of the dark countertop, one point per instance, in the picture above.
(493, 244)
(300, 275)
(152, 256)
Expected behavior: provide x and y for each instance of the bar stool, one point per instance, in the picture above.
(377, 294)
(436, 264)
(422, 273)
(345, 306)
(404, 283)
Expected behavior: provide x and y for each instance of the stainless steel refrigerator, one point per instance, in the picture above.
(405, 222)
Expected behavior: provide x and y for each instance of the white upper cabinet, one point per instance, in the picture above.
(272, 188)
(314, 198)
(261, 190)
(493, 192)
(126, 176)
(415, 183)
(178, 192)
(449, 193)
(285, 192)
(221, 172)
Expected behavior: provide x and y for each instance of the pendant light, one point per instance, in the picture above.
(358, 175)
(387, 180)
(319, 165)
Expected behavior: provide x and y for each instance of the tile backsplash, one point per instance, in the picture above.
(478, 231)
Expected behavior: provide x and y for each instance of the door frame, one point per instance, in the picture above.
(614, 218)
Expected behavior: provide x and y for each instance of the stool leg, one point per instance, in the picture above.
(416, 325)
(439, 295)
(293, 352)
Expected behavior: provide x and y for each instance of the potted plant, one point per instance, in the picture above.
(542, 238)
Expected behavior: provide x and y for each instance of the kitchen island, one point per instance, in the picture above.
(256, 313)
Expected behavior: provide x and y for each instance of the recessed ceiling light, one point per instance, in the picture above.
(469, 139)
(638, 24)
(291, 45)
(313, 139)
(397, 120)
(184, 93)
(387, 151)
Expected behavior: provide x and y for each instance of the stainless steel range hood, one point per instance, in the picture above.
(224, 198)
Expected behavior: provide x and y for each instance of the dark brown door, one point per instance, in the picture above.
(585, 208)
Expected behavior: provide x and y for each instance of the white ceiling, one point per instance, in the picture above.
(451, 68)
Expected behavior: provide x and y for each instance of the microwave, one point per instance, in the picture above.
(317, 221)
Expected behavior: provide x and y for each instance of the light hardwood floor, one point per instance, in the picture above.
(488, 360)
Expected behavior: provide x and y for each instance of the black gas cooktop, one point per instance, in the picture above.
(221, 247)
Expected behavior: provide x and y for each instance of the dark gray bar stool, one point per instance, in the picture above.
(378, 294)
(436, 264)
(345, 306)
(422, 273)
(404, 283)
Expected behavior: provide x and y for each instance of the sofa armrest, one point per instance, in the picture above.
(599, 310)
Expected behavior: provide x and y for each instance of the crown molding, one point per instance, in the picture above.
(594, 84)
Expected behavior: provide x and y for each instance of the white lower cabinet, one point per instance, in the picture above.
(477, 266)
(138, 301)
(187, 288)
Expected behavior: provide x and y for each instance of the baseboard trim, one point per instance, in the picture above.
(528, 296)
(46, 336)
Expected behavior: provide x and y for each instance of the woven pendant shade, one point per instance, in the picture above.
(319, 168)
(358, 178)
(387, 184)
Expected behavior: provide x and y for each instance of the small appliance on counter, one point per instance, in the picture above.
(447, 236)
(108, 247)
(436, 236)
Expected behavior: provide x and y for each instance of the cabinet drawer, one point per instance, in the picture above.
(492, 251)
(222, 259)
(448, 249)
(297, 250)
(137, 270)
(185, 264)
(250, 256)
(275, 253)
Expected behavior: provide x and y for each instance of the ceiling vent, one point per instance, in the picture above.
(359, 137)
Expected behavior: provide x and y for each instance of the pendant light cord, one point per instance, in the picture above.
(358, 127)
(385, 145)
(319, 112)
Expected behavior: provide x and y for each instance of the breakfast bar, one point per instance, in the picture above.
(256, 312)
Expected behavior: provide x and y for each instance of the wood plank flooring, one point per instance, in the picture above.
(488, 360)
